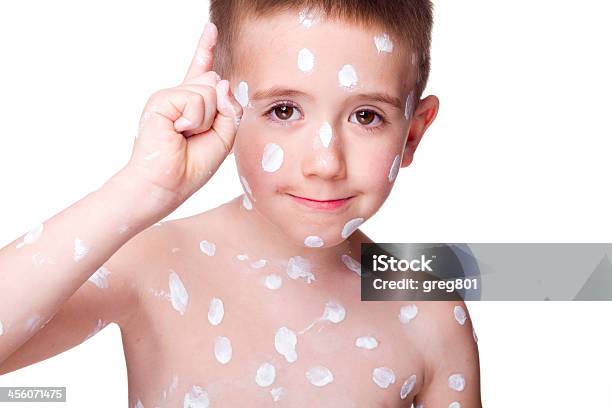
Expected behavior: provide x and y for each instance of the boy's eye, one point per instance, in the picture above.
(366, 117)
(284, 112)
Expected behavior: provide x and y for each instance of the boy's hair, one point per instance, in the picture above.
(408, 21)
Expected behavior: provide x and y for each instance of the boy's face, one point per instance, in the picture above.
(310, 129)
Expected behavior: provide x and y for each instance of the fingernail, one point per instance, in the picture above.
(182, 123)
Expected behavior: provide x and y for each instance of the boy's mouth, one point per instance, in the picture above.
(321, 204)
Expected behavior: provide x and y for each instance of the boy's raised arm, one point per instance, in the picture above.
(186, 132)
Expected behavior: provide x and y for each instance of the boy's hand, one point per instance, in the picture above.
(185, 132)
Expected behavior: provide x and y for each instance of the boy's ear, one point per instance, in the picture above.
(423, 116)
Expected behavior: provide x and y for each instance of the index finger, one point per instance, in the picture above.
(205, 53)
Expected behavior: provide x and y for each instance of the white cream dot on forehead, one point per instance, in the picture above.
(208, 248)
(272, 158)
(241, 93)
(383, 43)
(394, 168)
(408, 386)
(319, 376)
(351, 226)
(460, 315)
(407, 313)
(307, 18)
(366, 342)
(325, 134)
(383, 377)
(223, 349)
(305, 60)
(285, 341)
(197, 397)
(347, 76)
(351, 263)
(313, 241)
(178, 294)
(456, 382)
(216, 311)
(266, 373)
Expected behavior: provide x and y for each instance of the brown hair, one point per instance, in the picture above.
(409, 21)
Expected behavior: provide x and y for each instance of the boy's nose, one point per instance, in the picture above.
(321, 161)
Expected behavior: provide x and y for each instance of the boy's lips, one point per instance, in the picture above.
(319, 204)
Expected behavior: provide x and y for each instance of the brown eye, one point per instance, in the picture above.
(283, 112)
(365, 117)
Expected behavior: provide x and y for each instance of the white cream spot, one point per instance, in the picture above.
(409, 105)
(456, 382)
(460, 315)
(223, 349)
(352, 264)
(408, 386)
(325, 134)
(273, 281)
(306, 60)
(334, 312)
(99, 277)
(383, 377)
(266, 373)
(171, 388)
(260, 263)
(246, 186)
(31, 236)
(285, 341)
(319, 376)
(394, 168)
(1, 328)
(407, 313)
(138, 404)
(277, 393)
(242, 257)
(383, 43)
(33, 323)
(366, 342)
(80, 250)
(347, 76)
(123, 228)
(454, 404)
(208, 248)
(313, 241)
(178, 294)
(308, 18)
(99, 326)
(197, 397)
(413, 58)
(151, 156)
(299, 267)
(246, 203)
(272, 158)
(241, 93)
(474, 335)
(215, 311)
(351, 226)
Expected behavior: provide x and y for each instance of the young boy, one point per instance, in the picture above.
(256, 302)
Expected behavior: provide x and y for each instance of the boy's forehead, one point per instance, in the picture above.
(268, 49)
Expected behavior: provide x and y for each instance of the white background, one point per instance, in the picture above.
(520, 152)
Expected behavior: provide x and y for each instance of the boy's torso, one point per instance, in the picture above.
(170, 341)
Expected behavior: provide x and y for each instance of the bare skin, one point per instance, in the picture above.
(169, 352)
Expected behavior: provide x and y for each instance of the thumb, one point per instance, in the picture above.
(227, 121)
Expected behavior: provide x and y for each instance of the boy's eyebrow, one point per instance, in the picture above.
(278, 92)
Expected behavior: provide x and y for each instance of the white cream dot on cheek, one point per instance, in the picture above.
(407, 313)
(197, 397)
(383, 43)
(456, 382)
(366, 342)
(216, 311)
(241, 93)
(306, 60)
(208, 248)
(460, 315)
(266, 373)
(347, 76)
(319, 376)
(383, 377)
(408, 386)
(313, 241)
(223, 349)
(325, 134)
(81, 249)
(454, 404)
(394, 168)
(285, 341)
(351, 226)
(178, 294)
(272, 158)
(273, 281)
